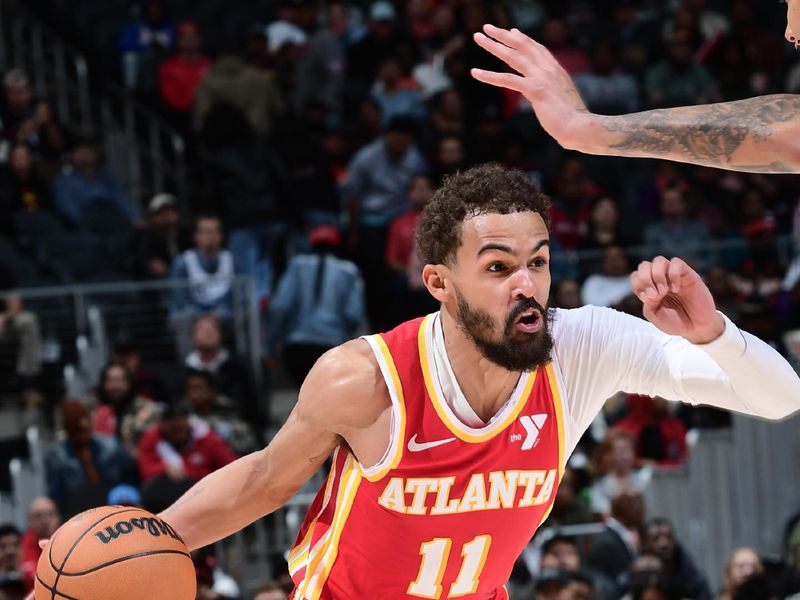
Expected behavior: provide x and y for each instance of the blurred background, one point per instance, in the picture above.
(199, 198)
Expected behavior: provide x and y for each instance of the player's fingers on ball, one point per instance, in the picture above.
(505, 80)
(659, 275)
(43, 544)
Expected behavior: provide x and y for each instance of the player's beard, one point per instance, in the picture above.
(515, 350)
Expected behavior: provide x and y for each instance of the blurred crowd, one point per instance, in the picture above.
(316, 136)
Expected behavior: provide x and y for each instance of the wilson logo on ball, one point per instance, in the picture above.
(155, 527)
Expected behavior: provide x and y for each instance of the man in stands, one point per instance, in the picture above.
(208, 269)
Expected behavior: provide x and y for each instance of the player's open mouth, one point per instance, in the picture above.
(530, 321)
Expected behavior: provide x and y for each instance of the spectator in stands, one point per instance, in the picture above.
(616, 460)
(400, 252)
(652, 585)
(450, 158)
(758, 279)
(614, 550)
(604, 230)
(561, 552)
(319, 303)
(118, 411)
(212, 582)
(179, 76)
(560, 555)
(143, 44)
(23, 187)
(394, 94)
(378, 178)
(21, 325)
(175, 453)
(611, 286)
(743, 565)
(208, 271)
(163, 239)
(82, 183)
(659, 540)
(658, 435)
(384, 39)
(43, 520)
(125, 494)
(218, 412)
(250, 183)
(321, 70)
(676, 231)
(231, 377)
(83, 467)
(10, 550)
(252, 92)
(568, 507)
(25, 119)
(567, 293)
(143, 383)
(269, 591)
(574, 192)
(606, 89)
(677, 80)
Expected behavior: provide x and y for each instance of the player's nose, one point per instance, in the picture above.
(789, 35)
(524, 284)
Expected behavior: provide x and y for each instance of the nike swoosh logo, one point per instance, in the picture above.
(413, 446)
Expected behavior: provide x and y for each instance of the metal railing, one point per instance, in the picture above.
(79, 320)
(57, 71)
(147, 155)
(144, 153)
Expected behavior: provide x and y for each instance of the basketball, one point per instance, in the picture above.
(118, 552)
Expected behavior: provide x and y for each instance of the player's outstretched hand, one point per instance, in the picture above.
(676, 300)
(43, 545)
(544, 82)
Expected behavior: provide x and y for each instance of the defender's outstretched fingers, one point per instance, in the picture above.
(510, 56)
(503, 80)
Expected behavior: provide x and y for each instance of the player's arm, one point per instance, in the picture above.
(336, 402)
(758, 135)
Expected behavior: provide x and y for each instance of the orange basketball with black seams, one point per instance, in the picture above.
(116, 553)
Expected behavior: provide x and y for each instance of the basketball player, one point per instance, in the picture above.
(757, 135)
(449, 434)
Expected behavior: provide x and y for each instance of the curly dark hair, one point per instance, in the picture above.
(487, 189)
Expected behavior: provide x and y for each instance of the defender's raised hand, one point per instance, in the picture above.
(544, 82)
(676, 300)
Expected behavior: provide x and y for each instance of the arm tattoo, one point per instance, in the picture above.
(708, 134)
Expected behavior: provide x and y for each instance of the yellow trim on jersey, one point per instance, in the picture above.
(298, 556)
(555, 394)
(439, 404)
(400, 427)
(558, 409)
(324, 555)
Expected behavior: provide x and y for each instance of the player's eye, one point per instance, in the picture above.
(496, 267)
(539, 262)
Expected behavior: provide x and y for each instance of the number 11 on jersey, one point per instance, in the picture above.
(435, 553)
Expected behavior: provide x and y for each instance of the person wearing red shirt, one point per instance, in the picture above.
(659, 436)
(176, 452)
(414, 299)
(43, 520)
(180, 75)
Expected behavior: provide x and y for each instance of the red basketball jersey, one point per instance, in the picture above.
(449, 508)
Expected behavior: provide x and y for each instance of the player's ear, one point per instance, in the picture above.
(435, 279)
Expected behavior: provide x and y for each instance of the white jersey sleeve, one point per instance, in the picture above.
(600, 351)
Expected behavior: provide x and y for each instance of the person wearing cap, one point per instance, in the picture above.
(382, 41)
(162, 240)
(318, 304)
(179, 76)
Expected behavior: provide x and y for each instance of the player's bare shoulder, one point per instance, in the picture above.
(345, 390)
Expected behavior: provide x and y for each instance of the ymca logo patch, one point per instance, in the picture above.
(532, 424)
